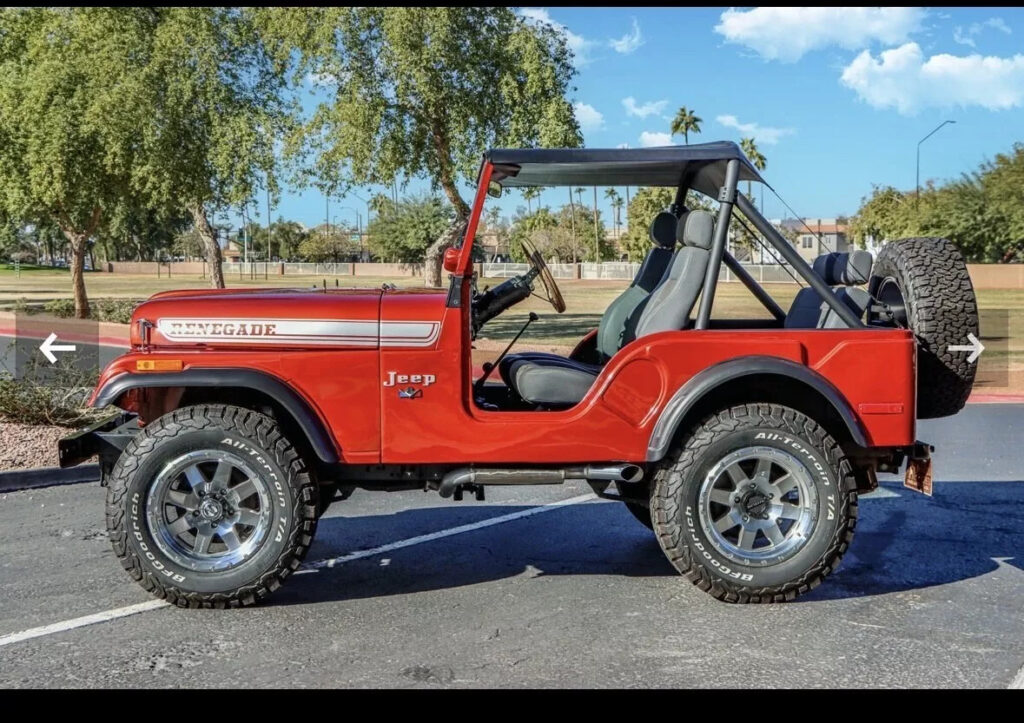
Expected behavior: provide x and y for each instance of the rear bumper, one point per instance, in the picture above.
(106, 438)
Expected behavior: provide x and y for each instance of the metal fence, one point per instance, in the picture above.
(621, 270)
(607, 270)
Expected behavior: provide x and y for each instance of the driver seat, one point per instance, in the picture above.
(553, 380)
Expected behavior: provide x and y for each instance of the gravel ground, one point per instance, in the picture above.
(23, 446)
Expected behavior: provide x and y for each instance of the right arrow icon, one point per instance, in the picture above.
(975, 347)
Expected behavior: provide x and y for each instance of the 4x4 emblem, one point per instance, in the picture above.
(410, 393)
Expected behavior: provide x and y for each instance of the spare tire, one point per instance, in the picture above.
(926, 287)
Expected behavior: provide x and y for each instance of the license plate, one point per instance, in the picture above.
(919, 475)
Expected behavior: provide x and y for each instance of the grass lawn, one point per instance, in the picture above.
(1002, 311)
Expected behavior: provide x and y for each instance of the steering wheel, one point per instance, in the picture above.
(537, 262)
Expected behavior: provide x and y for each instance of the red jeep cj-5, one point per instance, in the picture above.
(741, 443)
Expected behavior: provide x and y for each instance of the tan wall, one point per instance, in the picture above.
(185, 268)
(983, 276)
(997, 276)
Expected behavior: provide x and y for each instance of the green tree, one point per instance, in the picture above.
(424, 91)
(401, 232)
(685, 123)
(212, 104)
(323, 243)
(68, 79)
(882, 215)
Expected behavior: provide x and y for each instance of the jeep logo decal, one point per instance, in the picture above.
(395, 378)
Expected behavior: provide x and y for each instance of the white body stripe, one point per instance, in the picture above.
(300, 332)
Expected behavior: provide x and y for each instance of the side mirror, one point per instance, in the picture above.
(494, 189)
(451, 260)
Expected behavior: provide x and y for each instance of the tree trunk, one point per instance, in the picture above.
(78, 241)
(210, 245)
(435, 252)
(78, 244)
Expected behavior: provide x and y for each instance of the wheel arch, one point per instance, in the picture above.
(241, 387)
(755, 379)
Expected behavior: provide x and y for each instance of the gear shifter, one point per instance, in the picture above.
(490, 366)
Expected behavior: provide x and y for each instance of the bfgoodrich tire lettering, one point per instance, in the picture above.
(290, 492)
(677, 513)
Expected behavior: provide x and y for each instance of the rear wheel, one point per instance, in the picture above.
(210, 506)
(756, 504)
(925, 286)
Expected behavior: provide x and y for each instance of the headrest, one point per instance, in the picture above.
(663, 230)
(696, 228)
(844, 269)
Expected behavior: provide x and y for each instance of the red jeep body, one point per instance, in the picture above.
(741, 443)
(371, 342)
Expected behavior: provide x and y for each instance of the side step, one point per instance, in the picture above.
(472, 478)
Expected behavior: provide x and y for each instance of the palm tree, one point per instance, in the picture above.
(616, 203)
(572, 223)
(530, 193)
(754, 156)
(685, 122)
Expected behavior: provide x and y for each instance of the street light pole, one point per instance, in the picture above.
(917, 183)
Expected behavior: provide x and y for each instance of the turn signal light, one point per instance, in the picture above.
(158, 365)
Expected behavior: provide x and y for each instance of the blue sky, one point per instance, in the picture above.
(836, 98)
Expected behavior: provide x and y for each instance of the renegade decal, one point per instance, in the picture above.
(302, 331)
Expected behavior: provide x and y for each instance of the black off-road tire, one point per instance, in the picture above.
(213, 426)
(675, 509)
(941, 309)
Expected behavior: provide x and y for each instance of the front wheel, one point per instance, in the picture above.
(210, 506)
(756, 504)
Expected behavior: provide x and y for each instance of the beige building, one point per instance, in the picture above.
(825, 235)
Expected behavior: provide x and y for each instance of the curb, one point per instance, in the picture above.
(28, 479)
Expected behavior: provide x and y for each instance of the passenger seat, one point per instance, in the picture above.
(844, 269)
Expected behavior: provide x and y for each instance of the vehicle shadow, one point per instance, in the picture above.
(904, 541)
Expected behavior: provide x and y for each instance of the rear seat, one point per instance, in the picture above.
(845, 270)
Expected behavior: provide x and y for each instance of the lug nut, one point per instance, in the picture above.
(736, 499)
(746, 519)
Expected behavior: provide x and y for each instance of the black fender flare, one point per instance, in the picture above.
(308, 420)
(714, 376)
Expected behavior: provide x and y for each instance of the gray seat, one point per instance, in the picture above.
(611, 331)
(845, 270)
(554, 380)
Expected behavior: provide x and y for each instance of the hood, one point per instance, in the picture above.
(260, 318)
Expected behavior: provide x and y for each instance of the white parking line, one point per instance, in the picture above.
(82, 621)
(124, 612)
(1018, 680)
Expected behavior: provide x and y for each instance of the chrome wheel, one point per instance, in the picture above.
(208, 510)
(758, 505)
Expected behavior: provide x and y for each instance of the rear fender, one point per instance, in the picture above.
(708, 381)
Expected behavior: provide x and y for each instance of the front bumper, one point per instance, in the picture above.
(106, 438)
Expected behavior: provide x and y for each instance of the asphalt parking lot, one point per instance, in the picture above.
(543, 587)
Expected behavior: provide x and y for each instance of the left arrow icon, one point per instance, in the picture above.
(48, 347)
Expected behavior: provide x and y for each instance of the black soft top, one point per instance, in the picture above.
(701, 164)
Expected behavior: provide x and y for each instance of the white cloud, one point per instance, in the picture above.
(787, 33)
(653, 138)
(765, 134)
(654, 107)
(903, 79)
(589, 118)
(628, 42)
(579, 45)
(966, 37)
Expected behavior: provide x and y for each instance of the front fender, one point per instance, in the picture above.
(312, 426)
(713, 377)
